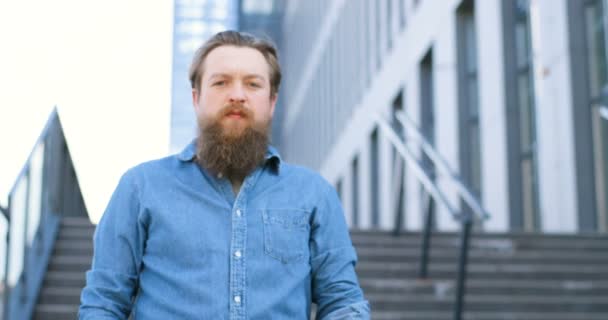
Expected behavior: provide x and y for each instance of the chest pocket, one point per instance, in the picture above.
(286, 234)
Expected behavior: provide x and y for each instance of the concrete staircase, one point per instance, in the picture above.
(60, 294)
(511, 276)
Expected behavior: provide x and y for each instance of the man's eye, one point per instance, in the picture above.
(219, 83)
(255, 84)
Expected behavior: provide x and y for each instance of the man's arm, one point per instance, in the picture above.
(119, 243)
(335, 288)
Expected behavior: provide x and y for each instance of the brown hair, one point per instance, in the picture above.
(237, 39)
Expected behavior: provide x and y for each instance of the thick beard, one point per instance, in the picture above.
(222, 151)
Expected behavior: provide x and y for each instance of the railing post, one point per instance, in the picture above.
(5, 301)
(398, 223)
(426, 239)
(467, 223)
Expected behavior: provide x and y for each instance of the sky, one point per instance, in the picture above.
(106, 66)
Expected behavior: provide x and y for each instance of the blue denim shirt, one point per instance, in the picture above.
(176, 243)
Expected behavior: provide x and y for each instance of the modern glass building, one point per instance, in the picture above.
(263, 18)
(511, 93)
(195, 22)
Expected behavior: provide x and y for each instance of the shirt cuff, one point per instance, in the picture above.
(355, 311)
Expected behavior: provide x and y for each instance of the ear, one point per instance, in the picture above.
(195, 100)
(273, 103)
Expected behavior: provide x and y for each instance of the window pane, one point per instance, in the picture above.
(521, 47)
(524, 84)
(17, 228)
(470, 43)
(596, 47)
(602, 169)
(475, 158)
(528, 196)
(35, 192)
(524, 91)
(470, 144)
(472, 98)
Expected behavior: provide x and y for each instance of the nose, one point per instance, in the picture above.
(237, 94)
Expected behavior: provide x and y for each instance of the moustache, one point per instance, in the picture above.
(236, 109)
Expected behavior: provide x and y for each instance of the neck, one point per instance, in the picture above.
(236, 182)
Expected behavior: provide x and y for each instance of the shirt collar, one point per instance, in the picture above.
(189, 153)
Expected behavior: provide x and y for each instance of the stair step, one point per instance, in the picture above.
(497, 244)
(483, 271)
(494, 303)
(60, 295)
(56, 312)
(74, 248)
(70, 263)
(487, 286)
(355, 233)
(481, 256)
(487, 315)
(82, 234)
(65, 279)
(76, 222)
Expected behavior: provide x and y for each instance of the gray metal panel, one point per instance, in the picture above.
(581, 117)
(512, 116)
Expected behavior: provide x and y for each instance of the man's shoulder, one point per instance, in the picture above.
(299, 172)
(154, 167)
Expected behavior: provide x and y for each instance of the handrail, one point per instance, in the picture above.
(434, 193)
(416, 167)
(465, 192)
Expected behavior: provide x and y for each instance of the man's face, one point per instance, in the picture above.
(234, 90)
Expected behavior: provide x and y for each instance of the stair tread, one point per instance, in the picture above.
(517, 283)
(487, 315)
(414, 298)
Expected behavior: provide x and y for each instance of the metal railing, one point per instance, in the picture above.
(39, 197)
(434, 193)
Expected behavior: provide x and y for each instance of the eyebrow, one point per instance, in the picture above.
(225, 75)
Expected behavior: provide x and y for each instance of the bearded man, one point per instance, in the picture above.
(225, 229)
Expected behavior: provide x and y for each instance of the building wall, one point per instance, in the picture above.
(348, 60)
(555, 127)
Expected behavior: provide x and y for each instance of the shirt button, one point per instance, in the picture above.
(237, 253)
(238, 212)
(237, 299)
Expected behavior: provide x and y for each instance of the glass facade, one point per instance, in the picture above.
(521, 120)
(470, 145)
(596, 23)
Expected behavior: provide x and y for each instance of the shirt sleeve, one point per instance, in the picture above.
(335, 288)
(119, 239)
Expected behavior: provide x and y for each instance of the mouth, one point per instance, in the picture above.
(235, 114)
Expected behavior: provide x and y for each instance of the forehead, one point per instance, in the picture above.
(235, 60)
